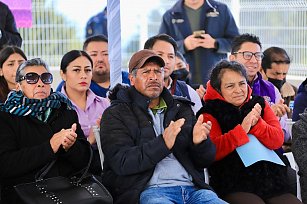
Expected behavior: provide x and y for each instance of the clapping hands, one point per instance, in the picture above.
(280, 108)
(252, 118)
(201, 130)
(171, 132)
(66, 138)
(91, 138)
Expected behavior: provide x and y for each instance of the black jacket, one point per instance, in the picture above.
(132, 149)
(299, 144)
(25, 149)
(10, 34)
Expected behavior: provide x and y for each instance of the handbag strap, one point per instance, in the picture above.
(42, 172)
(88, 164)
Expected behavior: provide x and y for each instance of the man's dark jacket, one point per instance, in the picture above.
(132, 149)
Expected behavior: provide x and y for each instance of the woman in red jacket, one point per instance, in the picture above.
(235, 115)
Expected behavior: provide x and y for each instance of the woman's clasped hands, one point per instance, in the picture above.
(252, 118)
(65, 138)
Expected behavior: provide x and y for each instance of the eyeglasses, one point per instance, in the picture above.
(32, 78)
(249, 55)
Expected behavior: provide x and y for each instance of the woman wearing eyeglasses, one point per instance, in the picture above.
(76, 71)
(10, 58)
(36, 127)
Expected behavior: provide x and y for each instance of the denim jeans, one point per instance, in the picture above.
(179, 195)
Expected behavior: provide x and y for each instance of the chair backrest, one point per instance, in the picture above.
(294, 166)
(96, 131)
(206, 173)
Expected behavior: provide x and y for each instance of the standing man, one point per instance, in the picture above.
(203, 30)
(247, 50)
(155, 150)
(9, 34)
(97, 48)
(97, 25)
(165, 46)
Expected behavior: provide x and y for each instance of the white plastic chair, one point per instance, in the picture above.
(294, 166)
(206, 173)
(96, 131)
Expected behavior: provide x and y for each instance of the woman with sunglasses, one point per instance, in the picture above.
(76, 72)
(36, 127)
(10, 58)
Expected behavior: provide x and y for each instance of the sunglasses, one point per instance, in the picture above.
(32, 78)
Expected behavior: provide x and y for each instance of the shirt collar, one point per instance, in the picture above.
(170, 83)
(91, 97)
(160, 107)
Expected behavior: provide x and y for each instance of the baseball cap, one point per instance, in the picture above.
(139, 58)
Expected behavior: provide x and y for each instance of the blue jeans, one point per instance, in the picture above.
(179, 195)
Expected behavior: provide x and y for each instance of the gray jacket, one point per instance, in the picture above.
(299, 145)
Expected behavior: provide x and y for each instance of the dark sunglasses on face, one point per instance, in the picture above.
(32, 78)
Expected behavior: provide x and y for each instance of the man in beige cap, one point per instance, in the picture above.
(152, 152)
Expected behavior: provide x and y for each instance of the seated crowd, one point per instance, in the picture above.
(157, 132)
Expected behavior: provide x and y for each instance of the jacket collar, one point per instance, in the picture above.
(143, 101)
(212, 94)
(178, 7)
(256, 80)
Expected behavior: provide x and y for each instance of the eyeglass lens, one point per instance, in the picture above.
(249, 55)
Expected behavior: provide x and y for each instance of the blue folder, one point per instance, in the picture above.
(255, 151)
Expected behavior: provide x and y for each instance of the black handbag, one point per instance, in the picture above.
(85, 189)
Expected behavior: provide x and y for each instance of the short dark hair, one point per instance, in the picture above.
(32, 62)
(94, 38)
(220, 68)
(71, 56)
(180, 56)
(274, 55)
(246, 37)
(7, 51)
(163, 37)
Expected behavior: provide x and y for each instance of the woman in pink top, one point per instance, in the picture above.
(76, 71)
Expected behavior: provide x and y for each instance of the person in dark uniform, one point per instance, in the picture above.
(97, 25)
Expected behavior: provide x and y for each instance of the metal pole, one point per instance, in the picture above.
(114, 41)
